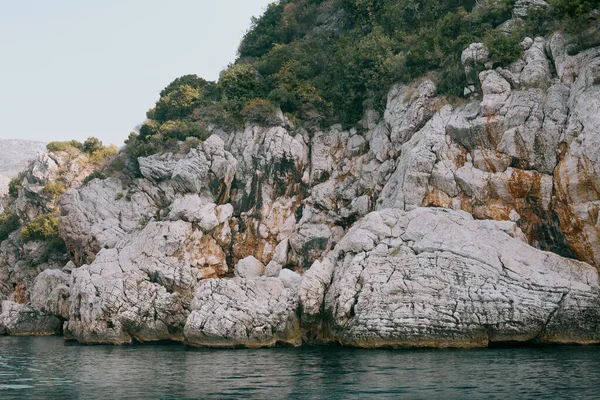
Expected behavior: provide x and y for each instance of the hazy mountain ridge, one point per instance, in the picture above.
(15, 154)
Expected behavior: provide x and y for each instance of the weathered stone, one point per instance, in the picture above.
(240, 312)
(50, 293)
(290, 279)
(22, 320)
(450, 281)
(522, 7)
(249, 267)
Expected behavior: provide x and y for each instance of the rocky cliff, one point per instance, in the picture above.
(431, 224)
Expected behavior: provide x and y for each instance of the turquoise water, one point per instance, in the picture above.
(46, 368)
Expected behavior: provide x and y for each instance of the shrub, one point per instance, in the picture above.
(261, 111)
(43, 227)
(181, 130)
(452, 81)
(64, 146)
(193, 81)
(504, 49)
(92, 176)
(573, 8)
(179, 103)
(8, 224)
(15, 184)
(92, 145)
(54, 188)
(103, 153)
(239, 83)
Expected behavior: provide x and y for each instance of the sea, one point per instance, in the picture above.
(50, 368)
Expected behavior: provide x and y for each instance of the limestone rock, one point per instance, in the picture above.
(240, 312)
(112, 306)
(51, 293)
(496, 91)
(273, 269)
(249, 267)
(101, 213)
(438, 278)
(522, 7)
(536, 72)
(474, 55)
(22, 320)
(408, 110)
(290, 279)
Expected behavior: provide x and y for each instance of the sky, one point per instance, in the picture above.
(70, 69)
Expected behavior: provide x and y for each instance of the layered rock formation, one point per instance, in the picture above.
(430, 225)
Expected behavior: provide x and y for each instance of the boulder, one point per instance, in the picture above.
(241, 312)
(22, 320)
(439, 278)
(249, 267)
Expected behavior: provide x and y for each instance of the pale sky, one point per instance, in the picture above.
(70, 69)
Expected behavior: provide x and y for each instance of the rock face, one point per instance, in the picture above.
(436, 278)
(22, 320)
(429, 224)
(243, 312)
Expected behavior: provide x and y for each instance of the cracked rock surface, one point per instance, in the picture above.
(437, 278)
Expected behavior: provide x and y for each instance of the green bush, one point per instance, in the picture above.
(92, 145)
(43, 227)
(504, 49)
(92, 176)
(15, 184)
(54, 188)
(103, 153)
(238, 84)
(573, 8)
(193, 81)
(64, 146)
(8, 224)
(261, 111)
(179, 103)
(181, 130)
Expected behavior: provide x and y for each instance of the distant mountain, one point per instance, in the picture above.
(14, 156)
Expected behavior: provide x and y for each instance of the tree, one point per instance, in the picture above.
(92, 145)
(177, 104)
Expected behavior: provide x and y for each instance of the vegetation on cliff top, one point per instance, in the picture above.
(327, 61)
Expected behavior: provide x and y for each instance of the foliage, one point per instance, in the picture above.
(179, 103)
(238, 84)
(192, 81)
(43, 227)
(64, 146)
(15, 184)
(54, 188)
(92, 145)
(261, 111)
(8, 224)
(102, 153)
(324, 62)
(92, 176)
(504, 49)
(573, 8)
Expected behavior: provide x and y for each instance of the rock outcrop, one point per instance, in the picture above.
(429, 224)
(244, 312)
(437, 278)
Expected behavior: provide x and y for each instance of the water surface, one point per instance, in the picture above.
(47, 368)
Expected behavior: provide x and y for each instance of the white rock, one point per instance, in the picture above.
(290, 279)
(249, 267)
